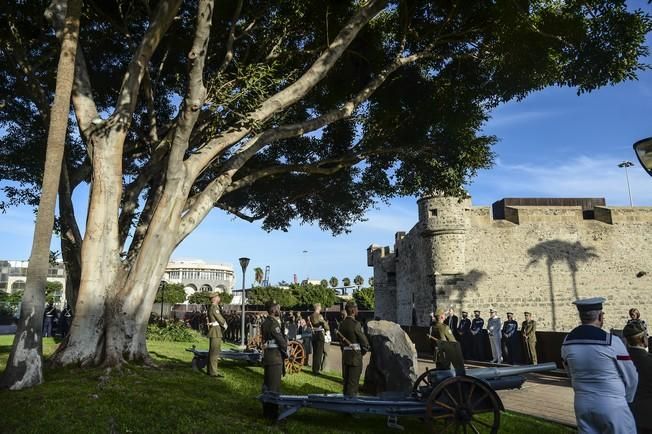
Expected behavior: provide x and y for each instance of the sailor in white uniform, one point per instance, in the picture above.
(603, 375)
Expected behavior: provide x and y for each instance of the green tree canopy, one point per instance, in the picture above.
(346, 281)
(262, 295)
(365, 298)
(171, 293)
(333, 281)
(308, 295)
(358, 280)
(323, 282)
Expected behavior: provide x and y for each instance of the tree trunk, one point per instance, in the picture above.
(114, 304)
(71, 239)
(24, 367)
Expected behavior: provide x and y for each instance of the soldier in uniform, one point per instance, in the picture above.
(275, 347)
(464, 331)
(637, 343)
(529, 333)
(509, 338)
(477, 325)
(440, 333)
(354, 345)
(216, 323)
(319, 327)
(494, 328)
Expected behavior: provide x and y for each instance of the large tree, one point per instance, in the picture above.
(24, 366)
(288, 111)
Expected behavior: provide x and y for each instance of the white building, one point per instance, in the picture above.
(13, 275)
(197, 275)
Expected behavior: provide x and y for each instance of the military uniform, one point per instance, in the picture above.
(603, 376)
(477, 326)
(442, 333)
(529, 333)
(275, 346)
(509, 340)
(642, 405)
(216, 323)
(319, 327)
(352, 352)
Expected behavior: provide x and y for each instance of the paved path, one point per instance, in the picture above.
(544, 396)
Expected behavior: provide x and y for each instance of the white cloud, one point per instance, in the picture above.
(583, 176)
(505, 118)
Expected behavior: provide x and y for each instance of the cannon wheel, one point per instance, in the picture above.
(296, 357)
(423, 380)
(256, 342)
(456, 403)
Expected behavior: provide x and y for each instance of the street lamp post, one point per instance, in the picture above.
(626, 164)
(161, 287)
(244, 262)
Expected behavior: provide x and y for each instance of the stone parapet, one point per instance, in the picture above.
(522, 215)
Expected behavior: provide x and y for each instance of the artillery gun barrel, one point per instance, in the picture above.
(486, 373)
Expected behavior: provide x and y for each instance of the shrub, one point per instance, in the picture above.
(264, 294)
(175, 331)
(307, 295)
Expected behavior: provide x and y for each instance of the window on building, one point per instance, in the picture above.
(18, 285)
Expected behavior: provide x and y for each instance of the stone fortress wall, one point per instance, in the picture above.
(535, 258)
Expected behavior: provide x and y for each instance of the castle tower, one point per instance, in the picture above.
(443, 226)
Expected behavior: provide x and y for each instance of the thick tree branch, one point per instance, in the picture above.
(128, 95)
(239, 213)
(152, 132)
(195, 92)
(292, 93)
(231, 39)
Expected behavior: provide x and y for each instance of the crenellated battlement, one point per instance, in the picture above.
(519, 254)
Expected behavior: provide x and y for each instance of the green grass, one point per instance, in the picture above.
(174, 399)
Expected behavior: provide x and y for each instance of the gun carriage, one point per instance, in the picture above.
(253, 354)
(461, 400)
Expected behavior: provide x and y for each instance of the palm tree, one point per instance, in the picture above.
(358, 280)
(324, 283)
(258, 275)
(24, 367)
(371, 281)
(334, 281)
(346, 281)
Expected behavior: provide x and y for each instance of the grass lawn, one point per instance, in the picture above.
(174, 399)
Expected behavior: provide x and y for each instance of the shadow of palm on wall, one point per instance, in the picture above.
(560, 251)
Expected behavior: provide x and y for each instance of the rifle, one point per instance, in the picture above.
(346, 341)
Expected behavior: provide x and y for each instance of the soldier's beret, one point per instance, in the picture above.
(526, 313)
(351, 303)
(510, 313)
(633, 328)
(213, 294)
(476, 311)
(439, 311)
(464, 312)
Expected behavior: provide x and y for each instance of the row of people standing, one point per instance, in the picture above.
(503, 337)
(354, 345)
(56, 321)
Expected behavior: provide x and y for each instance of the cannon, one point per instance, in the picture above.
(293, 362)
(448, 400)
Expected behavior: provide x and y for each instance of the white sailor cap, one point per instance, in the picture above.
(588, 304)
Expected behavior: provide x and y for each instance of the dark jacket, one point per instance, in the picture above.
(273, 341)
(642, 405)
(352, 331)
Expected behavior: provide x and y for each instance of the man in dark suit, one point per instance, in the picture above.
(452, 322)
(464, 333)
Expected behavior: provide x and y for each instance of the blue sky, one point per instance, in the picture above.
(552, 144)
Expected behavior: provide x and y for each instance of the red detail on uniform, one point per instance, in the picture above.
(623, 358)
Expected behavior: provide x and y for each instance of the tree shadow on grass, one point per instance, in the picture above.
(169, 360)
